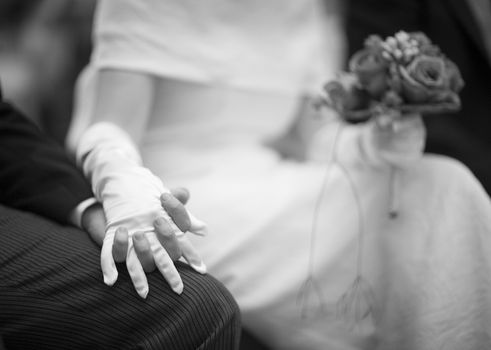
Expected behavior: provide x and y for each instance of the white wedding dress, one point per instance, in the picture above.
(427, 270)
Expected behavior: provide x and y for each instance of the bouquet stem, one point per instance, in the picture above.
(394, 192)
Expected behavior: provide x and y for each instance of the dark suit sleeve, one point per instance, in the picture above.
(36, 175)
(382, 17)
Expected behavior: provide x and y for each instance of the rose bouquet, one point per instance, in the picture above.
(404, 73)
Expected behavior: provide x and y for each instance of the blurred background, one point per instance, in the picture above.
(43, 46)
(45, 43)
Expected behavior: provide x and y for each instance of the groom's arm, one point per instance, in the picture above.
(35, 173)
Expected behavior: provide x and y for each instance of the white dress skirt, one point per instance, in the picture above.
(289, 238)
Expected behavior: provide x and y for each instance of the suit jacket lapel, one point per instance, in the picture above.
(461, 9)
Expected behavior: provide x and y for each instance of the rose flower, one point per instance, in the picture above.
(347, 97)
(372, 70)
(430, 79)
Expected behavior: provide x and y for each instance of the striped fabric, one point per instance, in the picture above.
(52, 297)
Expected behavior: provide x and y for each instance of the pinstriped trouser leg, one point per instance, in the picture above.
(52, 297)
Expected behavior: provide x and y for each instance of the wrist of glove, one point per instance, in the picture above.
(397, 141)
(130, 195)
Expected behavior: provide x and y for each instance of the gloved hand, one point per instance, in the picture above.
(93, 221)
(130, 195)
(397, 140)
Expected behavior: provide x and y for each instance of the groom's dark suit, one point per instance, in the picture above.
(450, 24)
(51, 290)
(35, 175)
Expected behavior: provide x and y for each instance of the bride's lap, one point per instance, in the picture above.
(414, 262)
(261, 211)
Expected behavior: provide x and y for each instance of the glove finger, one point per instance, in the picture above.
(181, 193)
(197, 227)
(176, 210)
(165, 264)
(143, 251)
(108, 267)
(191, 255)
(120, 244)
(167, 238)
(181, 217)
(136, 272)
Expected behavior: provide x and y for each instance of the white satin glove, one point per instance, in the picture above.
(395, 140)
(130, 195)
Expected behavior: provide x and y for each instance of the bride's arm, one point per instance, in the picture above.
(129, 192)
(124, 98)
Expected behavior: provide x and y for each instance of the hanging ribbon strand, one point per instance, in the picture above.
(356, 304)
(310, 290)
